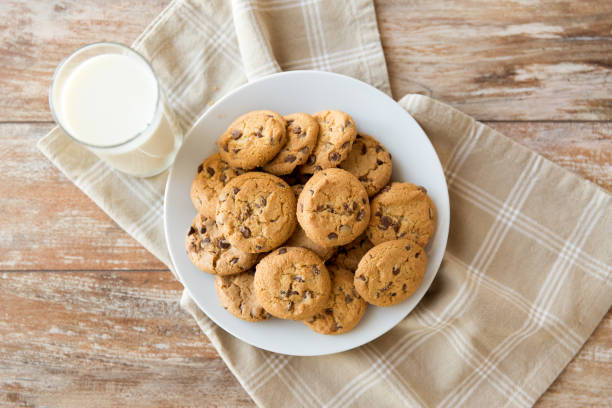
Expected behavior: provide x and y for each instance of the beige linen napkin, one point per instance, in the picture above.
(526, 277)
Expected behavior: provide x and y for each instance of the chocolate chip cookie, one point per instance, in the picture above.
(333, 208)
(390, 272)
(370, 162)
(211, 252)
(402, 210)
(349, 255)
(302, 133)
(253, 139)
(256, 212)
(292, 283)
(345, 307)
(212, 176)
(336, 136)
(237, 296)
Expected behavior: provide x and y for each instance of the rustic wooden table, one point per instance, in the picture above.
(89, 318)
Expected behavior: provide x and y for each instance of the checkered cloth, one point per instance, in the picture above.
(526, 277)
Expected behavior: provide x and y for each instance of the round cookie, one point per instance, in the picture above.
(333, 208)
(349, 255)
(402, 210)
(237, 296)
(253, 139)
(212, 176)
(256, 212)
(211, 252)
(337, 133)
(292, 283)
(370, 162)
(390, 272)
(302, 133)
(345, 307)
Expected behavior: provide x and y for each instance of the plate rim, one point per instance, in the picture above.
(445, 227)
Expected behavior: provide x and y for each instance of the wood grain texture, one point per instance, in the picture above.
(105, 339)
(503, 60)
(94, 321)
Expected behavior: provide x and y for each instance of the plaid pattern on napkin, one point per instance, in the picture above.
(526, 277)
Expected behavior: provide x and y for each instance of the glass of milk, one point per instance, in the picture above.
(107, 97)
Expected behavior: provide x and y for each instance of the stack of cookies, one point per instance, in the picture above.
(297, 220)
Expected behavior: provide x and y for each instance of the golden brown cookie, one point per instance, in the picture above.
(237, 296)
(349, 255)
(345, 307)
(292, 283)
(333, 208)
(336, 136)
(402, 210)
(253, 139)
(390, 272)
(256, 212)
(212, 176)
(302, 133)
(370, 162)
(211, 252)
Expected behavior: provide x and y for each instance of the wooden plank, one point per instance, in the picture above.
(111, 339)
(511, 60)
(93, 339)
(51, 224)
(43, 232)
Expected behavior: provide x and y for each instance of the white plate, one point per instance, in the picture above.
(414, 160)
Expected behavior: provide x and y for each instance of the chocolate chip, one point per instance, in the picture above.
(379, 148)
(386, 287)
(402, 235)
(304, 150)
(233, 261)
(258, 134)
(393, 294)
(290, 121)
(315, 269)
(417, 254)
(320, 207)
(290, 159)
(360, 215)
(333, 156)
(379, 162)
(396, 227)
(363, 178)
(236, 134)
(318, 168)
(282, 251)
(423, 189)
(332, 235)
(223, 178)
(377, 213)
(312, 159)
(347, 208)
(329, 311)
(364, 149)
(404, 287)
(210, 171)
(191, 230)
(347, 123)
(258, 247)
(282, 185)
(386, 221)
(361, 277)
(386, 188)
(200, 168)
(246, 232)
(348, 298)
(395, 270)
(225, 147)
(203, 230)
(297, 130)
(336, 327)
(223, 244)
(235, 190)
(236, 151)
(363, 200)
(307, 294)
(355, 206)
(298, 279)
(407, 247)
(290, 306)
(312, 319)
(206, 240)
(345, 145)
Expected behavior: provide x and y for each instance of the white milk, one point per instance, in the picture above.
(110, 102)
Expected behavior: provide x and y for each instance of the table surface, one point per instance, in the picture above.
(89, 318)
